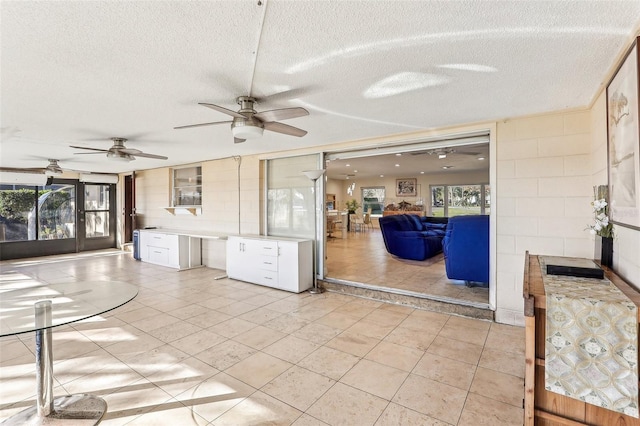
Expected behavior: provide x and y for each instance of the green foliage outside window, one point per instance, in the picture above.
(16, 204)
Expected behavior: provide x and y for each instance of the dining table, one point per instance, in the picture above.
(27, 307)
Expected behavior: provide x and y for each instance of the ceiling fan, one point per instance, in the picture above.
(53, 168)
(247, 123)
(119, 152)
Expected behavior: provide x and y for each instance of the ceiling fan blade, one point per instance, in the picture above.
(89, 153)
(280, 114)
(90, 149)
(203, 124)
(130, 151)
(274, 126)
(285, 95)
(26, 170)
(223, 110)
(143, 154)
(237, 140)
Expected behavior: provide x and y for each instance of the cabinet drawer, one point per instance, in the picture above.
(268, 263)
(268, 248)
(162, 240)
(158, 255)
(265, 277)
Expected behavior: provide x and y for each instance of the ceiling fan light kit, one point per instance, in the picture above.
(245, 129)
(119, 156)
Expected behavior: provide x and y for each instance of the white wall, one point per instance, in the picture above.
(423, 182)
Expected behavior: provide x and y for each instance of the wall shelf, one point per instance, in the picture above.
(194, 210)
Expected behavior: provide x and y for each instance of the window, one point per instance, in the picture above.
(437, 201)
(54, 217)
(290, 196)
(373, 198)
(457, 200)
(187, 186)
(96, 210)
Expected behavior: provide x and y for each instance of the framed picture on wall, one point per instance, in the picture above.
(406, 187)
(623, 134)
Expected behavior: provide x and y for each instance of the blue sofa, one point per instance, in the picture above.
(466, 249)
(412, 237)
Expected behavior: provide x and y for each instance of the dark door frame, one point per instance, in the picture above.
(95, 243)
(129, 207)
(34, 248)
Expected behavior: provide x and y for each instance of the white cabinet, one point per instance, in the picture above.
(168, 249)
(283, 263)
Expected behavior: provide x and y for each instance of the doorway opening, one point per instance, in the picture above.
(434, 179)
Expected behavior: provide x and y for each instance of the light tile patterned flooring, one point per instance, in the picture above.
(362, 258)
(191, 350)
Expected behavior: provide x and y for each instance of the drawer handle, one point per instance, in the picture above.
(268, 278)
(267, 263)
(268, 248)
(157, 251)
(158, 238)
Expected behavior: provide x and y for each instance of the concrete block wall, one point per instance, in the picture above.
(225, 209)
(544, 192)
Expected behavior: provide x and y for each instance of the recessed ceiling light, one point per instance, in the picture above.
(447, 167)
(480, 158)
(441, 156)
(355, 171)
(347, 165)
(398, 154)
(381, 175)
(421, 173)
(397, 165)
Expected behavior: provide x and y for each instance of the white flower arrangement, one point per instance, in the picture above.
(601, 226)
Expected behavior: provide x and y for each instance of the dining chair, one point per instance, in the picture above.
(331, 226)
(366, 221)
(356, 223)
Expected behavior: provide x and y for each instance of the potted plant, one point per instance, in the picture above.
(352, 206)
(602, 227)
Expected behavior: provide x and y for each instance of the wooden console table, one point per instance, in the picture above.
(542, 407)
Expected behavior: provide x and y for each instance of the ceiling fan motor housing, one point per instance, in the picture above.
(249, 127)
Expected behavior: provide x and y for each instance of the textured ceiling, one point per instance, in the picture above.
(80, 72)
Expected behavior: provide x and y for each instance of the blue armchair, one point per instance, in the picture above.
(466, 249)
(408, 237)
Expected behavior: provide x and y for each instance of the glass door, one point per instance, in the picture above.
(96, 216)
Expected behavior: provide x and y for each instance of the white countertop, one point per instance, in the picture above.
(189, 233)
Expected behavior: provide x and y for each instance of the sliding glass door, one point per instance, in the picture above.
(65, 216)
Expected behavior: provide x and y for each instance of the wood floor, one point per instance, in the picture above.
(362, 258)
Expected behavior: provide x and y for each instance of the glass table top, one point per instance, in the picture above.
(71, 302)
